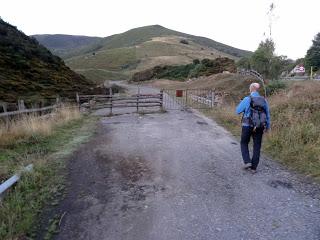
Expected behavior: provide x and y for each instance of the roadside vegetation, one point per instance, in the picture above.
(294, 138)
(198, 68)
(45, 142)
(295, 114)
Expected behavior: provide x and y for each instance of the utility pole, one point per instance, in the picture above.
(271, 17)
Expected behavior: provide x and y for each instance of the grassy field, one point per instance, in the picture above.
(295, 114)
(114, 59)
(100, 75)
(46, 143)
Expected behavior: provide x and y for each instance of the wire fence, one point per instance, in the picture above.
(191, 98)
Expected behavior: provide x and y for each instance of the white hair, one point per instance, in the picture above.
(254, 87)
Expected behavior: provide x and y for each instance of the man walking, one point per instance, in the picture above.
(255, 121)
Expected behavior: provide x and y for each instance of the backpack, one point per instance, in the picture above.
(258, 113)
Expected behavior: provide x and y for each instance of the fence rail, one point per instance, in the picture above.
(251, 72)
(13, 180)
(297, 78)
(25, 111)
(95, 102)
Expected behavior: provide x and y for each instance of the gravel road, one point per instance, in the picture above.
(177, 175)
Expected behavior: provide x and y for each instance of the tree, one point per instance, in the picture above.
(312, 58)
(261, 59)
(265, 61)
(244, 63)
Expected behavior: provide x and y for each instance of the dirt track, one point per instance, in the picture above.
(177, 175)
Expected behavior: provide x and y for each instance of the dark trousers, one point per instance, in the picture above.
(246, 134)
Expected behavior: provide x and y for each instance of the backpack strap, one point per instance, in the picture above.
(249, 107)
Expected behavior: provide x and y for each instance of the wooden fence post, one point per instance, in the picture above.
(21, 105)
(78, 100)
(110, 92)
(212, 98)
(40, 106)
(58, 101)
(4, 107)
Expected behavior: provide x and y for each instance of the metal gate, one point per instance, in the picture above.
(175, 99)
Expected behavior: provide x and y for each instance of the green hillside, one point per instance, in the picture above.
(120, 56)
(139, 35)
(67, 45)
(28, 70)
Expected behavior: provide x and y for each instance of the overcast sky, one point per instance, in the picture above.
(239, 23)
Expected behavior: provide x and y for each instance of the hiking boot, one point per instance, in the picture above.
(253, 171)
(247, 166)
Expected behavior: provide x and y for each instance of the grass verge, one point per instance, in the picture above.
(23, 204)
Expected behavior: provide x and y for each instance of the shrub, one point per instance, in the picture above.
(183, 41)
(207, 62)
(196, 61)
(275, 86)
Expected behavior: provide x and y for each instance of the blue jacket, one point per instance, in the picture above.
(244, 107)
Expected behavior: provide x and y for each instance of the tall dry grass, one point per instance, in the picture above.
(34, 125)
(294, 138)
(295, 135)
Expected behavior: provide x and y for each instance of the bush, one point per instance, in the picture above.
(275, 86)
(207, 62)
(196, 61)
(183, 41)
(197, 70)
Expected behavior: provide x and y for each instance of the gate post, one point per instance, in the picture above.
(137, 103)
(161, 99)
(138, 95)
(186, 97)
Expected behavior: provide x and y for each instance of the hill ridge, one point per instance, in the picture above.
(237, 52)
(119, 56)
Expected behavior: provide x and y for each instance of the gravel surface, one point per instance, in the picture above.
(177, 175)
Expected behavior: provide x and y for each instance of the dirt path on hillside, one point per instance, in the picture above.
(177, 175)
